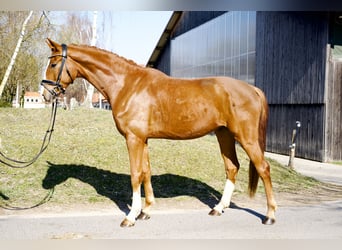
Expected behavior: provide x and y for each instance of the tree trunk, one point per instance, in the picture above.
(14, 56)
(90, 88)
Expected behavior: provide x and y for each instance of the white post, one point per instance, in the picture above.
(15, 102)
(293, 145)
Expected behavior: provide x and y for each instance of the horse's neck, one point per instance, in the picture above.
(105, 72)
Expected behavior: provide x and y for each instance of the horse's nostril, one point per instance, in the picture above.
(46, 96)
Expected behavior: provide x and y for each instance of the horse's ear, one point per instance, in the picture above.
(53, 45)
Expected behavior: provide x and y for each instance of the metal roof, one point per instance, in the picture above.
(164, 38)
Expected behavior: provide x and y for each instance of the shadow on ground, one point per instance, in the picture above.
(117, 187)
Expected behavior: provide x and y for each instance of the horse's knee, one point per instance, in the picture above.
(136, 179)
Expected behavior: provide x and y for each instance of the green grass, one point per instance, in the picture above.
(87, 162)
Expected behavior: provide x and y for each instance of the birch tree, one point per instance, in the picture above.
(90, 88)
(15, 53)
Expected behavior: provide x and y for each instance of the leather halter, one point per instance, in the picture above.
(58, 88)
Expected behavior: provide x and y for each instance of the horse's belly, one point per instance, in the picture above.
(185, 124)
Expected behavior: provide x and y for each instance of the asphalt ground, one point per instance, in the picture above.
(322, 221)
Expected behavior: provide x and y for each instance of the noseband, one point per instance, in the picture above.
(58, 88)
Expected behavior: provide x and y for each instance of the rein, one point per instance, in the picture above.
(10, 207)
(13, 163)
(23, 164)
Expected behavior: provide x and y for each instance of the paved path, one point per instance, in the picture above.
(325, 172)
(322, 221)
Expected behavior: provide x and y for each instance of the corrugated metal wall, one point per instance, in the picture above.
(193, 19)
(188, 21)
(223, 46)
(290, 69)
(164, 61)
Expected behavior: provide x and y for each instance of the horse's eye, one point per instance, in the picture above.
(53, 65)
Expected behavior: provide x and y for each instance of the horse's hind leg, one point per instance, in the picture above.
(228, 152)
(262, 167)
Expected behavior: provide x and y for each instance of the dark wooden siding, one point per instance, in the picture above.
(310, 139)
(290, 69)
(291, 52)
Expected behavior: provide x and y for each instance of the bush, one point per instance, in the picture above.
(4, 104)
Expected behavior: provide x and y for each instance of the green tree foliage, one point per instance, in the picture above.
(25, 72)
(28, 64)
(29, 67)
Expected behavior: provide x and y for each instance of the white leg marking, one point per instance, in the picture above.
(226, 197)
(136, 207)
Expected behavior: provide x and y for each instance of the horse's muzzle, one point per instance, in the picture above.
(51, 89)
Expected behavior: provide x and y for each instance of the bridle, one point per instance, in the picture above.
(58, 88)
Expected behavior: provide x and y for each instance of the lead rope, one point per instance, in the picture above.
(7, 206)
(13, 163)
(23, 164)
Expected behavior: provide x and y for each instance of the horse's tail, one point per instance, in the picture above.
(253, 174)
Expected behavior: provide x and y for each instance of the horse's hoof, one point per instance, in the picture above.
(143, 216)
(268, 221)
(214, 212)
(126, 223)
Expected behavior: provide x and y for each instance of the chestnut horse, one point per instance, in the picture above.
(146, 104)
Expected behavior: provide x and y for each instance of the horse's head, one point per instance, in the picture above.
(60, 72)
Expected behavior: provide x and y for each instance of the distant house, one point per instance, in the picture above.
(100, 102)
(33, 100)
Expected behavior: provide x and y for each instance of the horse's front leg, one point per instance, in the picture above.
(137, 149)
(149, 196)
